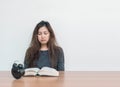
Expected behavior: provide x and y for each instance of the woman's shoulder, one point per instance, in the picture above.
(59, 49)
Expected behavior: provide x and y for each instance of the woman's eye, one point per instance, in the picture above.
(39, 33)
(45, 33)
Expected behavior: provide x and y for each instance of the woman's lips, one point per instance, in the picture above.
(43, 40)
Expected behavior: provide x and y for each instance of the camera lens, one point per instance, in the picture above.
(20, 66)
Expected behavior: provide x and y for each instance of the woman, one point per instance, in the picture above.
(43, 50)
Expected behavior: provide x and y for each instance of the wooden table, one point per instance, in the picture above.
(66, 79)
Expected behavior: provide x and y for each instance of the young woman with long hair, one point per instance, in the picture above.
(43, 49)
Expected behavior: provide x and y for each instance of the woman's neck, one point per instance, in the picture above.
(44, 47)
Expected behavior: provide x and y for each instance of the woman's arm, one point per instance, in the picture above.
(60, 63)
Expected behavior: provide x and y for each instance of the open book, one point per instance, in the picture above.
(45, 71)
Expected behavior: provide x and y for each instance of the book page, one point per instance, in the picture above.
(31, 71)
(47, 71)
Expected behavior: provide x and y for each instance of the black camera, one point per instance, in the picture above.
(17, 70)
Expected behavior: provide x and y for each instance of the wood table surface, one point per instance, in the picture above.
(66, 79)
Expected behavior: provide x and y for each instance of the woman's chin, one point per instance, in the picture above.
(43, 43)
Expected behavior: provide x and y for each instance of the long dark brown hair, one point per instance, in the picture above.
(32, 52)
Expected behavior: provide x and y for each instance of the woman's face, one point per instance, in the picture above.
(43, 35)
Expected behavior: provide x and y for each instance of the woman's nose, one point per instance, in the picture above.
(42, 35)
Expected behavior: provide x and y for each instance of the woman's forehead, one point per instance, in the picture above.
(43, 29)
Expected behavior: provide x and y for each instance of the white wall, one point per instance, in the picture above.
(87, 30)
